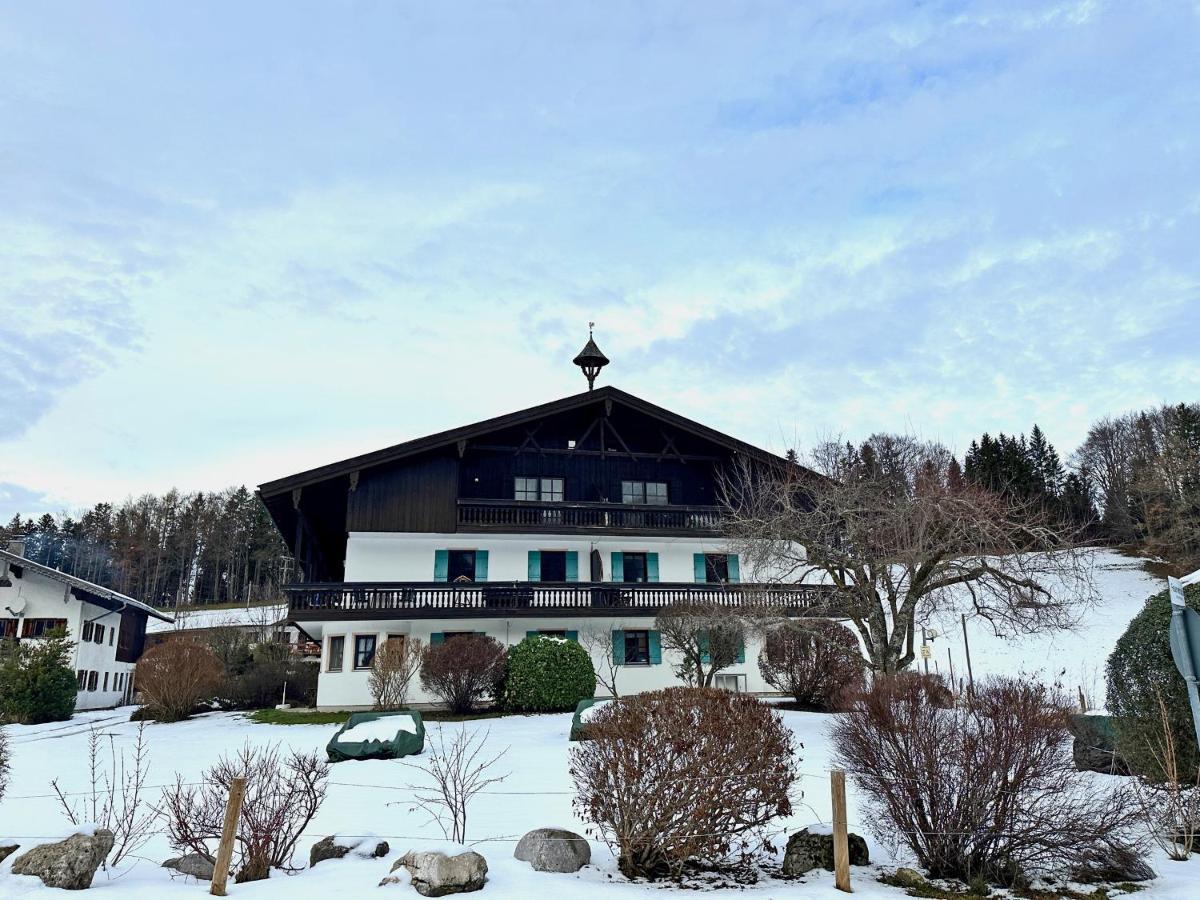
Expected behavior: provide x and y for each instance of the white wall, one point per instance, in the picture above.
(348, 688)
(45, 598)
(393, 556)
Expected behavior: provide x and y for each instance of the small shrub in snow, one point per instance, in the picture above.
(256, 680)
(986, 791)
(174, 677)
(463, 671)
(818, 663)
(455, 772)
(37, 683)
(548, 674)
(683, 775)
(1140, 671)
(282, 796)
(115, 801)
(392, 671)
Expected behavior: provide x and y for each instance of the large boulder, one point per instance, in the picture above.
(197, 865)
(7, 850)
(807, 850)
(69, 864)
(554, 850)
(436, 874)
(334, 847)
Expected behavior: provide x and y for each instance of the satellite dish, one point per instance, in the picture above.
(17, 606)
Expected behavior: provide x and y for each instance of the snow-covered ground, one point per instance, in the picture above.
(371, 797)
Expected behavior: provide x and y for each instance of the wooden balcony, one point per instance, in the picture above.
(582, 518)
(436, 600)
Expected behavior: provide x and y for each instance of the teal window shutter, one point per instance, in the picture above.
(573, 636)
(441, 565)
(535, 565)
(741, 657)
(702, 640)
(481, 565)
(618, 638)
(532, 634)
(618, 567)
(437, 638)
(655, 649)
(572, 565)
(735, 569)
(652, 567)
(698, 569)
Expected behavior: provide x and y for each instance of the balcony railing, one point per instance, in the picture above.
(524, 515)
(412, 600)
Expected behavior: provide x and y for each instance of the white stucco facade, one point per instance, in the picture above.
(405, 557)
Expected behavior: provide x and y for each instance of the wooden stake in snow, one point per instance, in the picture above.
(967, 648)
(841, 840)
(233, 812)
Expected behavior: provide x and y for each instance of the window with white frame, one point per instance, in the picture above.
(652, 493)
(547, 490)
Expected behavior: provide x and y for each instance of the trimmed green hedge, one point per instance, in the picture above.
(1141, 669)
(547, 674)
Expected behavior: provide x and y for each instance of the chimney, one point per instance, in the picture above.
(17, 548)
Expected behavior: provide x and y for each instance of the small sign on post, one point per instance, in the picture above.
(1185, 646)
(233, 812)
(841, 838)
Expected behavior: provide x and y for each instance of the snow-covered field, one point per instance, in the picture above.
(371, 797)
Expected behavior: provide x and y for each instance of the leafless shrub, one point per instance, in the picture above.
(458, 771)
(816, 662)
(706, 638)
(282, 796)
(463, 671)
(174, 677)
(986, 790)
(115, 801)
(598, 642)
(1170, 805)
(683, 775)
(889, 527)
(392, 671)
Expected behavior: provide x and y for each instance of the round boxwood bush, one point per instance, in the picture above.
(548, 674)
(1140, 670)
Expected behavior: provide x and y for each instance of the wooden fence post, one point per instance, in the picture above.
(841, 841)
(967, 648)
(233, 811)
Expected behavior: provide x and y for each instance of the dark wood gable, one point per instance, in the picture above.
(463, 480)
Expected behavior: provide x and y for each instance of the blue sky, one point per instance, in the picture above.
(237, 240)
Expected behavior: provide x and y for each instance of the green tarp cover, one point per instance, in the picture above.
(404, 743)
(578, 726)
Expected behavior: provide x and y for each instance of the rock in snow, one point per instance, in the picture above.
(436, 874)
(69, 864)
(335, 847)
(196, 865)
(7, 850)
(554, 850)
(809, 850)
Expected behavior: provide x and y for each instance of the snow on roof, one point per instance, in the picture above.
(88, 586)
(235, 617)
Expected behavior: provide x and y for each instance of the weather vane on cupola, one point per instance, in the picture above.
(590, 359)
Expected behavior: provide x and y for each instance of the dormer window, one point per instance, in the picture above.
(653, 493)
(547, 490)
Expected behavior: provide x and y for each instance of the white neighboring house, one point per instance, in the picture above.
(589, 514)
(108, 628)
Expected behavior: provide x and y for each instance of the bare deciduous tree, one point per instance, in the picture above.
(705, 637)
(900, 540)
(598, 642)
(458, 771)
(115, 799)
(393, 669)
